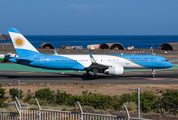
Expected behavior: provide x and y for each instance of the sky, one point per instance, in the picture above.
(90, 17)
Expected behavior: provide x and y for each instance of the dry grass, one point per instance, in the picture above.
(131, 106)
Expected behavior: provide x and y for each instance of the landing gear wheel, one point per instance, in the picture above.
(94, 76)
(86, 75)
(89, 75)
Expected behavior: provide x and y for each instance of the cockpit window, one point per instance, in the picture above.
(166, 60)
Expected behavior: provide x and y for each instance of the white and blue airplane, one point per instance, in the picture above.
(107, 64)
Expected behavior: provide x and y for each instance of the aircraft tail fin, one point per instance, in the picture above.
(22, 46)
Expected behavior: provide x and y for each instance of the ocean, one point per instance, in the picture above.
(136, 41)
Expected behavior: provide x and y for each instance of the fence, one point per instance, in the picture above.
(44, 114)
(4, 115)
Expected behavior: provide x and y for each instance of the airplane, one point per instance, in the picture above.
(55, 53)
(107, 64)
(5, 58)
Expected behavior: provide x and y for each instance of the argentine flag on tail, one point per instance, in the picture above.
(22, 46)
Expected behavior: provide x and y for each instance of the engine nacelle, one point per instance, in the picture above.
(114, 71)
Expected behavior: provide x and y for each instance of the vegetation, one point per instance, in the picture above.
(94, 100)
(43, 94)
(14, 93)
(2, 96)
(167, 103)
(131, 106)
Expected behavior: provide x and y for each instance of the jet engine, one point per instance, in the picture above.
(114, 71)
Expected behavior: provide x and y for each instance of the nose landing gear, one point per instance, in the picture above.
(153, 72)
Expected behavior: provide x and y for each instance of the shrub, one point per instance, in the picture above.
(90, 99)
(2, 95)
(63, 98)
(147, 101)
(14, 93)
(86, 108)
(5, 105)
(75, 109)
(131, 106)
(28, 98)
(64, 109)
(168, 102)
(116, 105)
(96, 100)
(43, 102)
(32, 102)
(43, 93)
(127, 97)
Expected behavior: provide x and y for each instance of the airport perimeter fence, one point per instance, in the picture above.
(45, 114)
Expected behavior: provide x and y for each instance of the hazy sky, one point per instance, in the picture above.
(90, 17)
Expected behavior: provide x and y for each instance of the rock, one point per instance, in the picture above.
(4, 37)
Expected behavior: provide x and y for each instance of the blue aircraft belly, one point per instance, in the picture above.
(58, 63)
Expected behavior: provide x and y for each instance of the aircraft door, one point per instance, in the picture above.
(158, 61)
(41, 61)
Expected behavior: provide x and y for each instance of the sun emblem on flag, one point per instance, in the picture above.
(19, 41)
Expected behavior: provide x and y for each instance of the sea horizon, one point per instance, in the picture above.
(138, 41)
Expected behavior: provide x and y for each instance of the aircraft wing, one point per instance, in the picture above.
(95, 65)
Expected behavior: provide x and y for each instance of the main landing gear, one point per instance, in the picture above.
(153, 72)
(88, 75)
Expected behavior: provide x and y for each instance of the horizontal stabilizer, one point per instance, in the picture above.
(23, 61)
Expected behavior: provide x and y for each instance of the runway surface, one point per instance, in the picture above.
(166, 76)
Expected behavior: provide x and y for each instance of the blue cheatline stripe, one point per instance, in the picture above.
(14, 30)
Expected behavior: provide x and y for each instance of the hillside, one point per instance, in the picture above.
(4, 37)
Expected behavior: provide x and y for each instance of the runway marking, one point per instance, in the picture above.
(135, 77)
(148, 78)
(24, 72)
(155, 78)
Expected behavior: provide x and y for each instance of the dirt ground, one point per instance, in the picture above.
(107, 89)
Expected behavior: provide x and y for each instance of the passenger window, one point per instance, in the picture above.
(166, 60)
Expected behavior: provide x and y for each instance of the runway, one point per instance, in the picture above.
(166, 76)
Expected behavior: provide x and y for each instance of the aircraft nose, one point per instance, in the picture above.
(170, 64)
